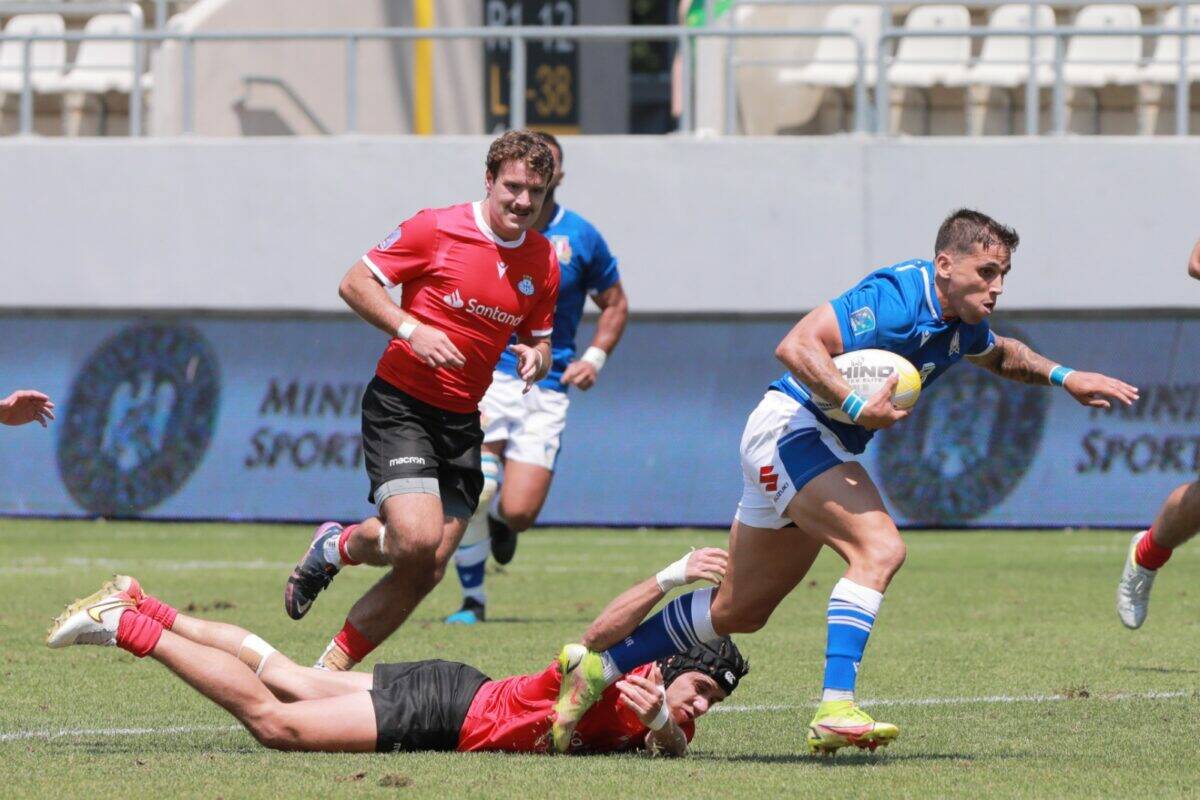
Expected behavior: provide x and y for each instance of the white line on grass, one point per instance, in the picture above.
(58, 734)
(915, 701)
(986, 700)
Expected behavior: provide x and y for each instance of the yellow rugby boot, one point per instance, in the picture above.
(841, 723)
(582, 684)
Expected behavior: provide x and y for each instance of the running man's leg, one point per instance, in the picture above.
(1178, 521)
(420, 562)
(535, 437)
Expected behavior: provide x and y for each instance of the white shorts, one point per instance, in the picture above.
(532, 424)
(783, 448)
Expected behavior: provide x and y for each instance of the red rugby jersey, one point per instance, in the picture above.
(460, 277)
(515, 715)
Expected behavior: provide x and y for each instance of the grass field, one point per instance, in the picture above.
(998, 654)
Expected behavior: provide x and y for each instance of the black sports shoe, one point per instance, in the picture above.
(312, 574)
(504, 540)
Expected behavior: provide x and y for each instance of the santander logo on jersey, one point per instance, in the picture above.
(473, 306)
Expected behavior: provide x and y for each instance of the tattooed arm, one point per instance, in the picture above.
(808, 350)
(1018, 362)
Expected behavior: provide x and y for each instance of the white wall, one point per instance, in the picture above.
(745, 225)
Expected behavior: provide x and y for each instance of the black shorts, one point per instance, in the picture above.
(413, 447)
(421, 705)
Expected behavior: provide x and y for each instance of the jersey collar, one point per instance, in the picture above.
(560, 211)
(485, 229)
(931, 298)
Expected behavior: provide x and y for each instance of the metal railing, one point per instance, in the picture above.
(1058, 101)
(520, 36)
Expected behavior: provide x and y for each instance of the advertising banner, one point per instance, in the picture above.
(258, 418)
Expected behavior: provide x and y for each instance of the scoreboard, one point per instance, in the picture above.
(552, 66)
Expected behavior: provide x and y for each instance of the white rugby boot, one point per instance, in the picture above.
(1133, 592)
(92, 619)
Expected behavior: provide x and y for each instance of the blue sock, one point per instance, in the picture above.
(852, 612)
(470, 560)
(685, 622)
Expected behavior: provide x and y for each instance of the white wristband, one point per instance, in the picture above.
(405, 331)
(660, 720)
(595, 356)
(673, 575)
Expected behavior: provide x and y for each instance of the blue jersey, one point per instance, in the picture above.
(895, 309)
(586, 267)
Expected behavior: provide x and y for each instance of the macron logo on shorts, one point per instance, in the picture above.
(399, 462)
(454, 299)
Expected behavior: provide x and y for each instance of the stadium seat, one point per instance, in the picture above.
(1164, 64)
(47, 58)
(921, 62)
(1095, 61)
(835, 63)
(101, 66)
(1004, 60)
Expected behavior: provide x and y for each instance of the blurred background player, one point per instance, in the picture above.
(25, 406)
(1178, 520)
(802, 487)
(473, 275)
(423, 705)
(522, 430)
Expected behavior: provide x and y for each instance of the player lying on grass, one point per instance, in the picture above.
(423, 705)
(802, 487)
(1178, 520)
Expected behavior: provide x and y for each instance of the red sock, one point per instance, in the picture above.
(343, 539)
(157, 610)
(1149, 553)
(353, 643)
(138, 633)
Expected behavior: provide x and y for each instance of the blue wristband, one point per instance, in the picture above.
(853, 405)
(1058, 375)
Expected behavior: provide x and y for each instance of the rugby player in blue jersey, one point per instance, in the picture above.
(522, 429)
(802, 488)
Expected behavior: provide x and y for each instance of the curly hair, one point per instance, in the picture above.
(524, 146)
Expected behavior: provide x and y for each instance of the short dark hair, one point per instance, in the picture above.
(525, 146)
(967, 227)
(550, 139)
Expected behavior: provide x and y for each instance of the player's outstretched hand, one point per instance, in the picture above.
(435, 348)
(707, 563)
(644, 696)
(529, 363)
(879, 412)
(580, 374)
(25, 406)
(1096, 390)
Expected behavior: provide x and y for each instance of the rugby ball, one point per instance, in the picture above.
(867, 371)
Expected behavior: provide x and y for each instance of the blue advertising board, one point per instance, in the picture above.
(258, 418)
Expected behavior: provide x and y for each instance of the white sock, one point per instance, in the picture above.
(331, 552)
(835, 694)
(611, 673)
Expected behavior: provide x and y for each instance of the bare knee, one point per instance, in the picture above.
(519, 516)
(728, 619)
(883, 556)
(410, 546)
(270, 727)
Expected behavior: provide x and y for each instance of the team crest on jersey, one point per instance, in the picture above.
(562, 248)
(391, 239)
(862, 321)
(525, 286)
